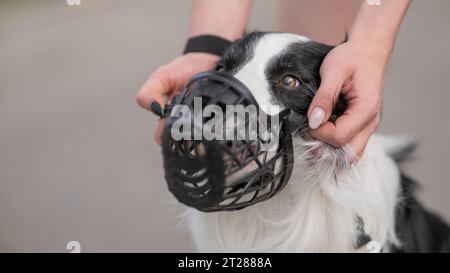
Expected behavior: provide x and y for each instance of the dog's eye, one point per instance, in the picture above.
(290, 81)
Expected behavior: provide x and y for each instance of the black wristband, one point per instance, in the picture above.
(208, 44)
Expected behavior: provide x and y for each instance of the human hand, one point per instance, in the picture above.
(357, 71)
(170, 79)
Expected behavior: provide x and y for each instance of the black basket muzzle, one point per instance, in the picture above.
(224, 174)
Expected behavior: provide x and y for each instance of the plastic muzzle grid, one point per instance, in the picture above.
(207, 175)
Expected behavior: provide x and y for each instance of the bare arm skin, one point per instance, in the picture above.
(227, 19)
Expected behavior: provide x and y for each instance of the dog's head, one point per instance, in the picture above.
(282, 70)
(281, 73)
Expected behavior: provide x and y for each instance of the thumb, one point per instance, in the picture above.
(326, 97)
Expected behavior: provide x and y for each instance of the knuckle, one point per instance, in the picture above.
(372, 108)
(327, 98)
(157, 136)
(376, 106)
(371, 115)
(142, 99)
(378, 102)
(377, 121)
(163, 72)
(340, 139)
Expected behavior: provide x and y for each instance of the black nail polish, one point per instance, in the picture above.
(156, 109)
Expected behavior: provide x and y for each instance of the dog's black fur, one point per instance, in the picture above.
(302, 60)
(417, 229)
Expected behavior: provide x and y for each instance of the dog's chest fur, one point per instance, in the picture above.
(328, 203)
(317, 211)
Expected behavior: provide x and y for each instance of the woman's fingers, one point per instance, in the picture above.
(157, 87)
(359, 142)
(168, 80)
(333, 77)
(358, 115)
(158, 131)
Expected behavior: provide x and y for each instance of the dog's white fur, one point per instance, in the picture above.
(317, 210)
(252, 74)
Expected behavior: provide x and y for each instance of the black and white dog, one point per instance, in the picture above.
(322, 208)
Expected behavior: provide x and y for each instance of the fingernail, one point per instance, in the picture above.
(156, 108)
(316, 117)
(175, 99)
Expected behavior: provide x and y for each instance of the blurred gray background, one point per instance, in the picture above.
(77, 157)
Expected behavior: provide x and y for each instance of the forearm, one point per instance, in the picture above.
(225, 18)
(378, 24)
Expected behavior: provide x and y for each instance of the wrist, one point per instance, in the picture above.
(377, 25)
(374, 45)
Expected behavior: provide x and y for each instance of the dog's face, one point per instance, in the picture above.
(280, 69)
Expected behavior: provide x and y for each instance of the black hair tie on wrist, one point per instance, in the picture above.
(207, 44)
